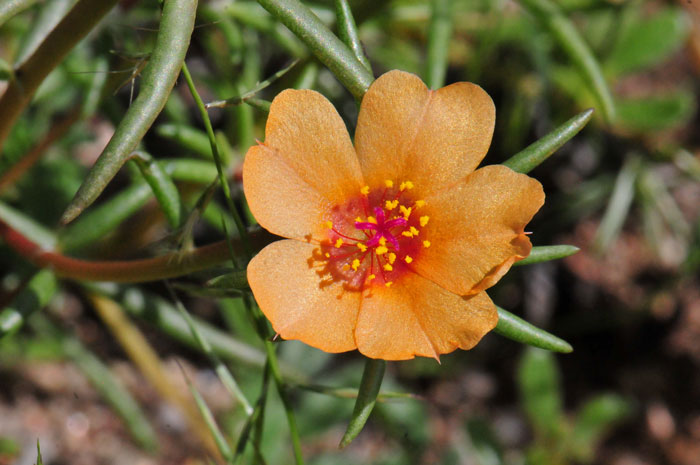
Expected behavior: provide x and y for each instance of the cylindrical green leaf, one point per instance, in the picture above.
(366, 398)
(519, 330)
(546, 253)
(158, 79)
(162, 186)
(323, 43)
(347, 30)
(186, 136)
(527, 159)
(104, 218)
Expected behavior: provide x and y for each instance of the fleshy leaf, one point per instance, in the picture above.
(366, 398)
(323, 43)
(546, 253)
(519, 330)
(347, 30)
(530, 157)
(158, 79)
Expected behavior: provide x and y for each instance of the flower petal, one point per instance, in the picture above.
(476, 231)
(432, 138)
(297, 300)
(306, 165)
(417, 317)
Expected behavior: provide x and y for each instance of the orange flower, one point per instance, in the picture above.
(393, 241)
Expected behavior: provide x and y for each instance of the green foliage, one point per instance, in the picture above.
(560, 439)
(624, 172)
(646, 42)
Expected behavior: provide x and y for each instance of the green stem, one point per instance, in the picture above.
(282, 391)
(77, 23)
(330, 50)
(129, 271)
(217, 160)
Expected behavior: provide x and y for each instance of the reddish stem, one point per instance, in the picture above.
(130, 271)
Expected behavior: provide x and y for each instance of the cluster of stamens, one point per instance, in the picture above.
(382, 240)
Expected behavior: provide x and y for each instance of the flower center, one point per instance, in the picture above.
(375, 237)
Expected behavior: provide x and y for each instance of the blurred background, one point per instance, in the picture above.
(625, 190)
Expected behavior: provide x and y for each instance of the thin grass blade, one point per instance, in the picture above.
(237, 100)
(569, 39)
(439, 35)
(208, 417)
(224, 374)
(619, 205)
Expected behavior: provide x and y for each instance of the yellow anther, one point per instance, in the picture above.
(388, 267)
(408, 259)
(406, 185)
(406, 211)
(364, 190)
(327, 255)
(358, 219)
(424, 220)
(392, 257)
(390, 205)
(338, 243)
(388, 283)
(420, 203)
(346, 267)
(329, 224)
(426, 244)
(407, 234)
(389, 183)
(371, 277)
(371, 219)
(361, 246)
(382, 240)
(414, 231)
(355, 264)
(381, 250)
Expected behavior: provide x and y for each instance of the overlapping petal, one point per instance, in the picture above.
(478, 232)
(306, 165)
(298, 301)
(432, 138)
(415, 317)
